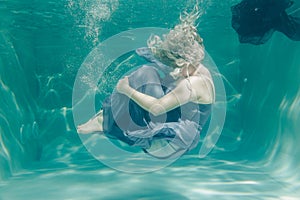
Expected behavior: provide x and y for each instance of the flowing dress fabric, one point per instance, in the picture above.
(256, 20)
(127, 121)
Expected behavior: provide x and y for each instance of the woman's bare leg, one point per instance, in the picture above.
(93, 125)
(145, 76)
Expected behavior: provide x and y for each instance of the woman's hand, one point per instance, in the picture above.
(123, 86)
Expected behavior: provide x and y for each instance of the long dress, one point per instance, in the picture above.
(127, 121)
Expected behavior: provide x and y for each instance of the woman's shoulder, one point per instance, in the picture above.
(197, 82)
(202, 87)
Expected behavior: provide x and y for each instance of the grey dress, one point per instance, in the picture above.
(128, 122)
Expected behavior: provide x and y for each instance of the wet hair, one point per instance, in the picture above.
(182, 45)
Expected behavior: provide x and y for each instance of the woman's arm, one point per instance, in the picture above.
(179, 96)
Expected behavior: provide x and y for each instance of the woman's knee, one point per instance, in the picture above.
(146, 71)
(145, 74)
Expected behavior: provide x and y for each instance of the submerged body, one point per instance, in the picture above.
(124, 119)
(180, 127)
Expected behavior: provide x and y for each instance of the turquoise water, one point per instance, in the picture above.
(44, 43)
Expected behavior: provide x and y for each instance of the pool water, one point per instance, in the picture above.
(42, 46)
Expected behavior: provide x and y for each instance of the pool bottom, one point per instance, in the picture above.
(188, 178)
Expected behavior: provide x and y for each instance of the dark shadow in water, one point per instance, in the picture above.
(256, 20)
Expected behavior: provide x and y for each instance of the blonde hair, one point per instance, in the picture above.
(182, 45)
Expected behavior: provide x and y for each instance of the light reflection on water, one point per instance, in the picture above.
(189, 178)
(73, 176)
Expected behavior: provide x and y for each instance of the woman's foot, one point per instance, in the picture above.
(93, 125)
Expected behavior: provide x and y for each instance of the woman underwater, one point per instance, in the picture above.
(168, 99)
